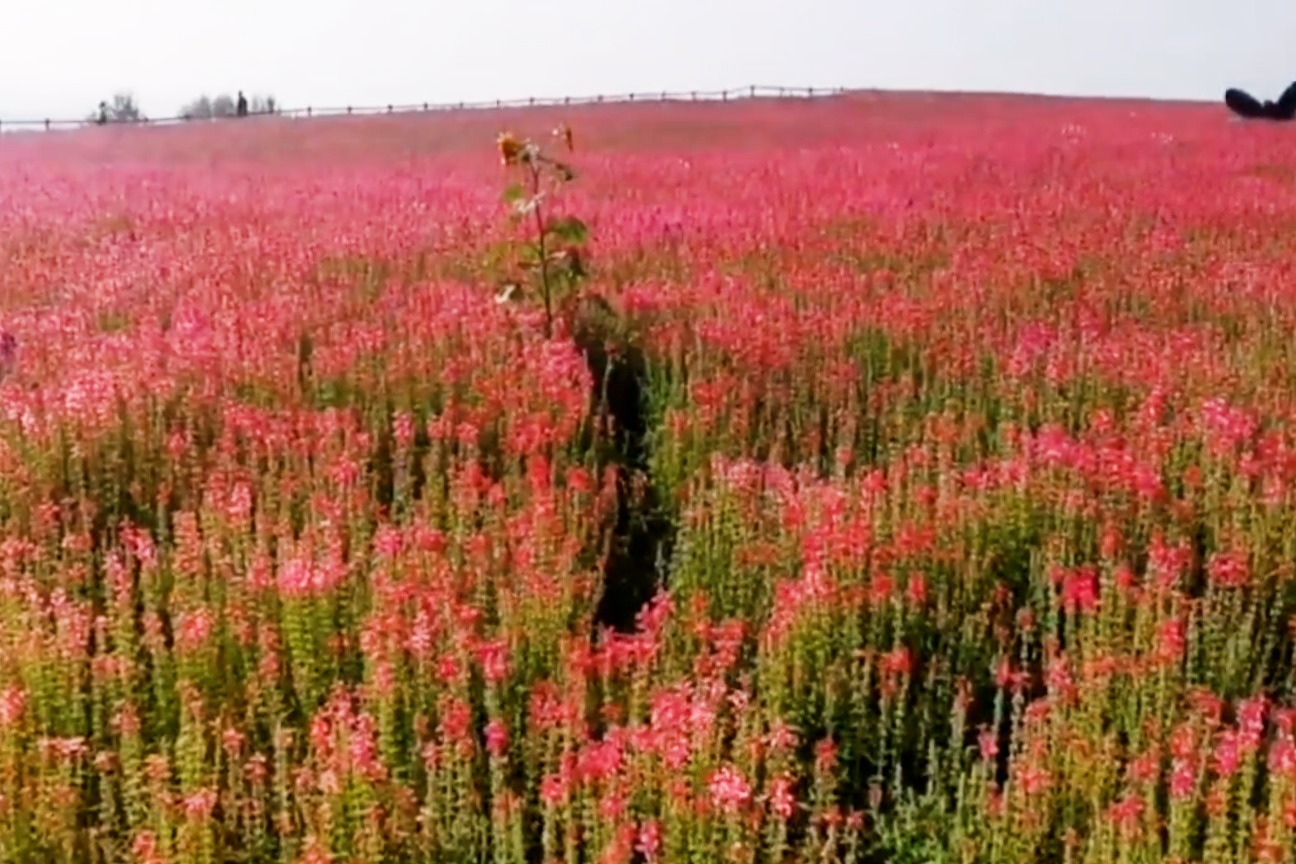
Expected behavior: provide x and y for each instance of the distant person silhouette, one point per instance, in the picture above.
(242, 108)
(102, 119)
(1244, 105)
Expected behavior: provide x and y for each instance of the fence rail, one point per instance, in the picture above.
(753, 91)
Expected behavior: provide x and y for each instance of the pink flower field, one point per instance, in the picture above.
(962, 527)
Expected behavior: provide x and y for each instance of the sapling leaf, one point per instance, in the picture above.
(569, 229)
(576, 264)
(515, 192)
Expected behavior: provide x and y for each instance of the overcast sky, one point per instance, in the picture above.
(59, 57)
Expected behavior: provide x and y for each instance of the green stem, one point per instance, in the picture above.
(541, 249)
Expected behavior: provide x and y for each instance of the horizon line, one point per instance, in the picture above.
(747, 92)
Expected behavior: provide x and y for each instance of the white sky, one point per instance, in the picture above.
(60, 57)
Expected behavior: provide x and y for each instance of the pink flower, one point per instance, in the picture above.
(1282, 758)
(1146, 768)
(554, 789)
(1172, 636)
(650, 840)
(1125, 813)
(494, 660)
(1228, 754)
(730, 791)
(238, 502)
(403, 428)
(898, 662)
(193, 629)
(1167, 564)
(781, 738)
(621, 848)
(916, 590)
(301, 578)
(671, 721)
(1080, 590)
(1033, 778)
(315, 852)
(989, 744)
(599, 761)
(1251, 721)
(144, 848)
(13, 702)
(8, 353)
(199, 805)
(1183, 779)
(1229, 569)
(497, 739)
(782, 801)
(456, 724)
(825, 755)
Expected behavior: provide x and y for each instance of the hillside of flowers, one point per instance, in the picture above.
(960, 522)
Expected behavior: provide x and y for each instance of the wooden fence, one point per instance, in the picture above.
(755, 91)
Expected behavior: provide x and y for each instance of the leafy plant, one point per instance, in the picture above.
(551, 261)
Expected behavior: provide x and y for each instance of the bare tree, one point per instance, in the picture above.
(224, 105)
(199, 109)
(122, 108)
(207, 108)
